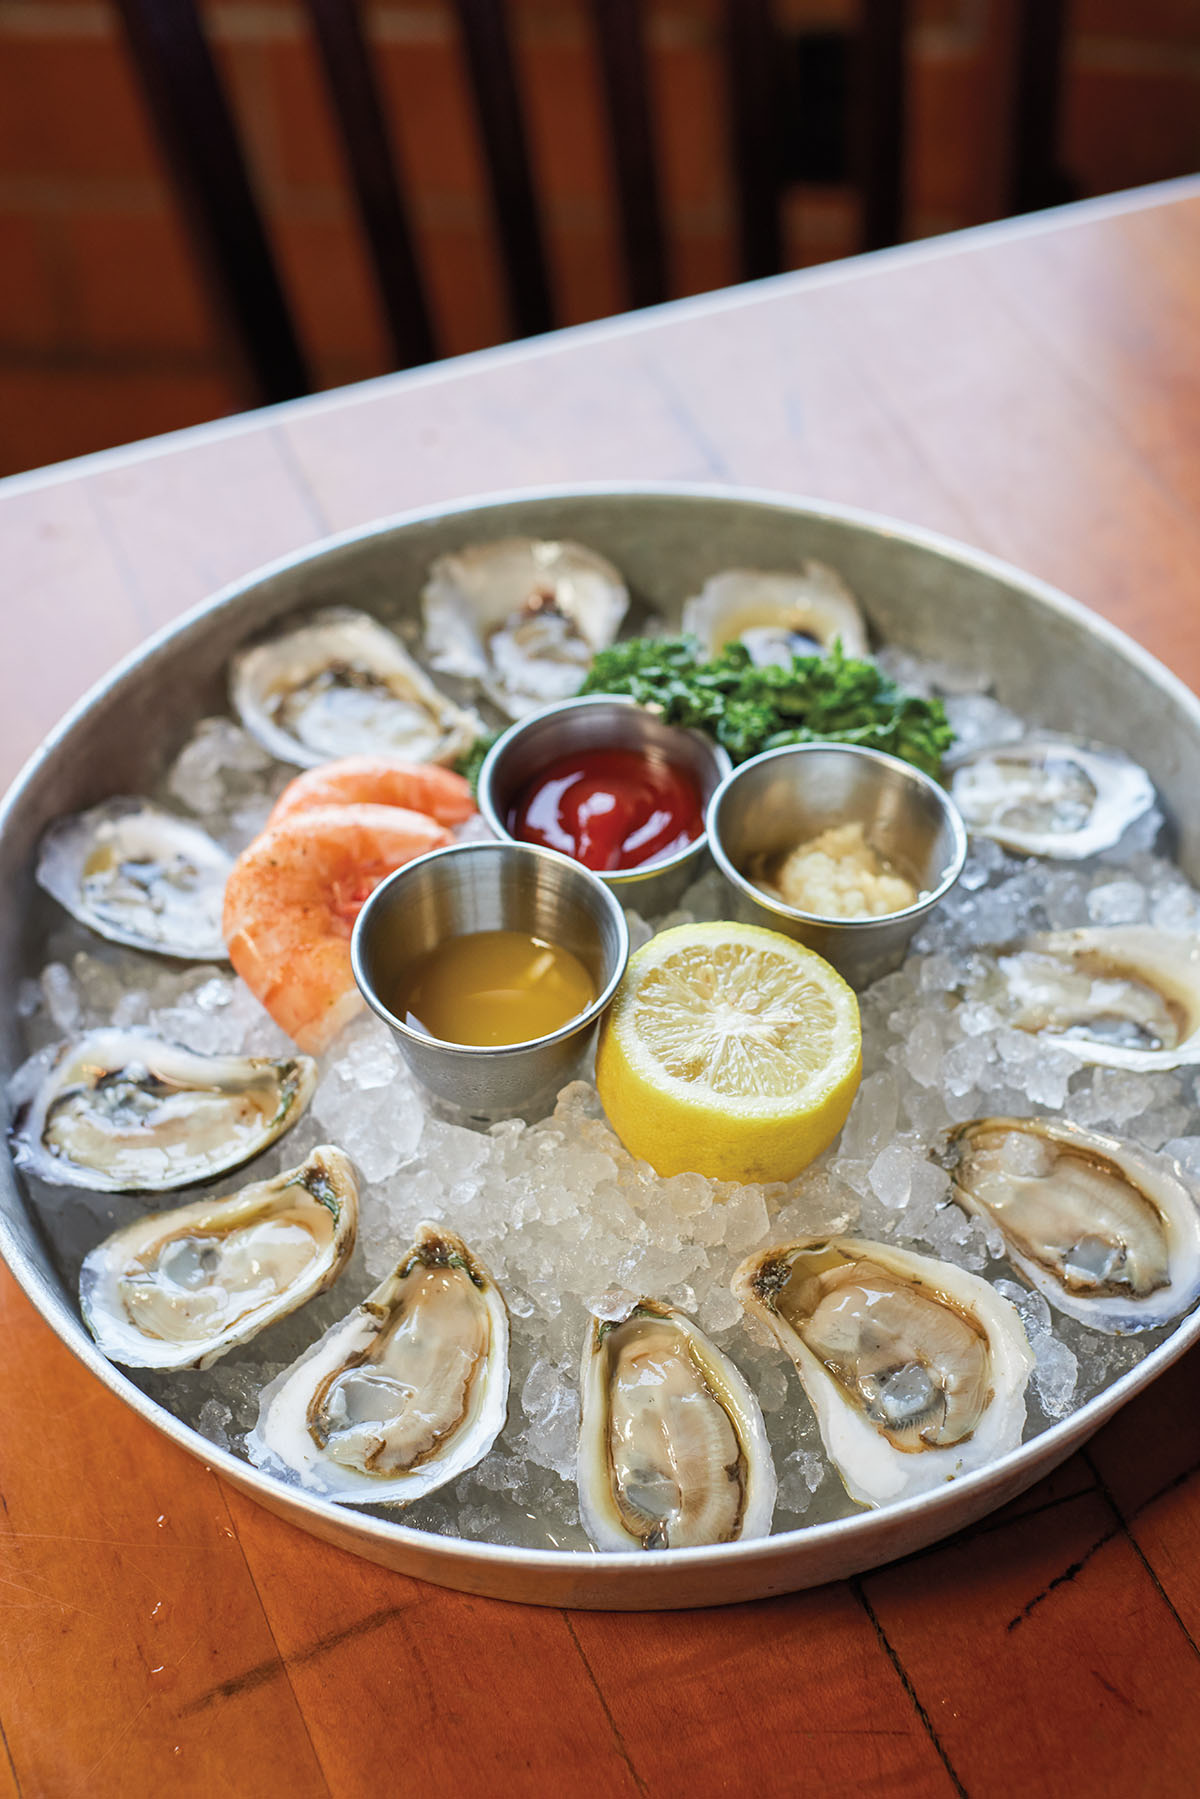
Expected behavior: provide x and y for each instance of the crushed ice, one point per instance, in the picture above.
(568, 1222)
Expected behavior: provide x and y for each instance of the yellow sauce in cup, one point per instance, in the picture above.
(490, 988)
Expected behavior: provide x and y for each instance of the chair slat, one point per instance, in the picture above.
(619, 30)
(752, 74)
(205, 160)
(1034, 177)
(878, 146)
(370, 159)
(497, 103)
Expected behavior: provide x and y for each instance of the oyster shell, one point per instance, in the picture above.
(915, 1369)
(178, 1289)
(123, 1112)
(1125, 996)
(343, 685)
(777, 614)
(672, 1446)
(1050, 796)
(407, 1392)
(139, 875)
(1108, 1232)
(523, 617)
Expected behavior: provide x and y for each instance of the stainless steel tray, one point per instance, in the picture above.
(1049, 658)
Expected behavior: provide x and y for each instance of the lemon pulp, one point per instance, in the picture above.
(730, 1051)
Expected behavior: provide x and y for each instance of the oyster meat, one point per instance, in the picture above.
(123, 1112)
(915, 1369)
(137, 874)
(178, 1289)
(1108, 1232)
(1126, 996)
(777, 614)
(672, 1446)
(523, 617)
(1050, 796)
(343, 685)
(407, 1392)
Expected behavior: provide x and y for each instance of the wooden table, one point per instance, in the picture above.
(1033, 389)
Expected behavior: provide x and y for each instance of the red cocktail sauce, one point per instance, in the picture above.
(609, 809)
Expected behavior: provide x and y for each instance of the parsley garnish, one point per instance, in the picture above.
(747, 708)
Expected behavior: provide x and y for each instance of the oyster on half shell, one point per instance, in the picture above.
(915, 1369)
(178, 1289)
(1107, 1231)
(523, 617)
(343, 685)
(672, 1447)
(1048, 795)
(407, 1392)
(124, 1112)
(140, 875)
(777, 613)
(1126, 996)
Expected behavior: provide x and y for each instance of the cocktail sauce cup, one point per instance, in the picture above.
(606, 722)
(489, 887)
(786, 797)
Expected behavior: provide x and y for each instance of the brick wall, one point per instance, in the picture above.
(104, 332)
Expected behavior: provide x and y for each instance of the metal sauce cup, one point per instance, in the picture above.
(788, 796)
(490, 887)
(605, 722)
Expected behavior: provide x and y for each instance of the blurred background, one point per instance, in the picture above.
(106, 328)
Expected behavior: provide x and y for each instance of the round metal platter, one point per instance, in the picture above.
(1047, 657)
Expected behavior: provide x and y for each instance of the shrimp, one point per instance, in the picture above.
(291, 902)
(378, 781)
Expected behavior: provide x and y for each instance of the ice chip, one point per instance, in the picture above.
(923, 1051)
(892, 1175)
(61, 997)
(1175, 910)
(719, 1310)
(218, 761)
(965, 1064)
(799, 1478)
(213, 1421)
(1117, 902)
(1185, 1151)
(640, 932)
(873, 1117)
(1057, 1368)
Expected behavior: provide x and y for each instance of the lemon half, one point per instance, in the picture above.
(729, 1051)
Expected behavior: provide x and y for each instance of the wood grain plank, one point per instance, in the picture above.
(1046, 474)
(1149, 1461)
(787, 406)
(1111, 307)
(560, 416)
(472, 1678)
(1154, 1443)
(70, 614)
(122, 1588)
(9, 1785)
(1046, 1658)
(801, 1685)
(185, 524)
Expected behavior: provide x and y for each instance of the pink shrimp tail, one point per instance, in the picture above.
(291, 901)
(380, 781)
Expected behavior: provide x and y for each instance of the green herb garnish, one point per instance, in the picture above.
(748, 708)
(471, 761)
